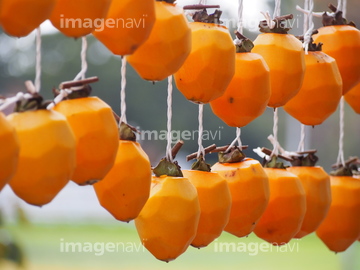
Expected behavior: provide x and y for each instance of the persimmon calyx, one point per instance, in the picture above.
(305, 161)
(351, 168)
(233, 156)
(243, 44)
(201, 165)
(280, 25)
(32, 104)
(343, 171)
(338, 19)
(127, 132)
(273, 163)
(166, 167)
(313, 47)
(203, 16)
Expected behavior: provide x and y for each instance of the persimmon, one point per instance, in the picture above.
(286, 210)
(167, 47)
(78, 18)
(47, 153)
(126, 188)
(321, 91)
(342, 42)
(316, 183)
(249, 91)
(128, 26)
(249, 188)
(353, 98)
(341, 227)
(20, 17)
(9, 154)
(97, 137)
(209, 68)
(285, 57)
(215, 202)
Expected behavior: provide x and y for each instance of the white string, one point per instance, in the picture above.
(306, 17)
(301, 146)
(123, 92)
(236, 140)
(340, 158)
(201, 150)
(268, 19)
(344, 8)
(84, 65)
(340, 5)
(63, 94)
(169, 117)
(240, 15)
(309, 18)
(277, 10)
(38, 61)
(315, 14)
(282, 151)
(275, 133)
(202, 2)
(9, 101)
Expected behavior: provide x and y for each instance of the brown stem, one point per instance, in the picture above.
(69, 84)
(332, 8)
(269, 152)
(176, 148)
(207, 150)
(224, 148)
(347, 162)
(199, 7)
(284, 17)
(312, 151)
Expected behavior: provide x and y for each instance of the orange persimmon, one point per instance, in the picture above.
(20, 17)
(215, 205)
(320, 93)
(168, 222)
(341, 227)
(342, 42)
(9, 154)
(249, 188)
(128, 24)
(316, 183)
(47, 155)
(97, 137)
(126, 188)
(248, 93)
(286, 209)
(167, 47)
(353, 98)
(78, 18)
(209, 68)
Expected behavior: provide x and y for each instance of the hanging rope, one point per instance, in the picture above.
(340, 158)
(201, 150)
(240, 16)
(275, 151)
(38, 61)
(123, 93)
(237, 140)
(277, 10)
(169, 117)
(340, 5)
(344, 8)
(301, 147)
(84, 64)
(202, 2)
(310, 24)
(9, 101)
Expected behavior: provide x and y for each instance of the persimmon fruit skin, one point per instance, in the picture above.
(353, 98)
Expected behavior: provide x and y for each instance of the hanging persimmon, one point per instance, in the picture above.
(286, 210)
(9, 154)
(168, 222)
(20, 17)
(126, 188)
(127, 25)
(215, 202)
(342, 42)
(47, 152)
(353, 98)
(96, 133)
(316, 183)
(249, 91)
(341, 227)
(209, 68)
(321, 91)
(167, 47)
(79, 18)
(249, 188)
(285, 57)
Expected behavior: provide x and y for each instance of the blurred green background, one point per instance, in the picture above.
(75, 214)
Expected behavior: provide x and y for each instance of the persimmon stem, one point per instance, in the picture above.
(207, 150)
(347, 162)
(332, 8)
(69, 84)
(175, 150)
(312, 151)
(269, 152)
(199, 7)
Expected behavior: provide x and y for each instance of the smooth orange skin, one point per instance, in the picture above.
(286, 209)
(320, 93)
(342, 42)
(79, 9)
(47, 155)
(215, 205)
(124, 39)
(10, 148)
(20, 17)
(316, 183)
(353, 98)
(341, 227)
(97, 137)
(248, 93)
(249, 187)
(168, 222)
(126, 188)
(209, 68)
(169, 44)
(285, 57)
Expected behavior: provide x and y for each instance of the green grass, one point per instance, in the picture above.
(42, 246)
